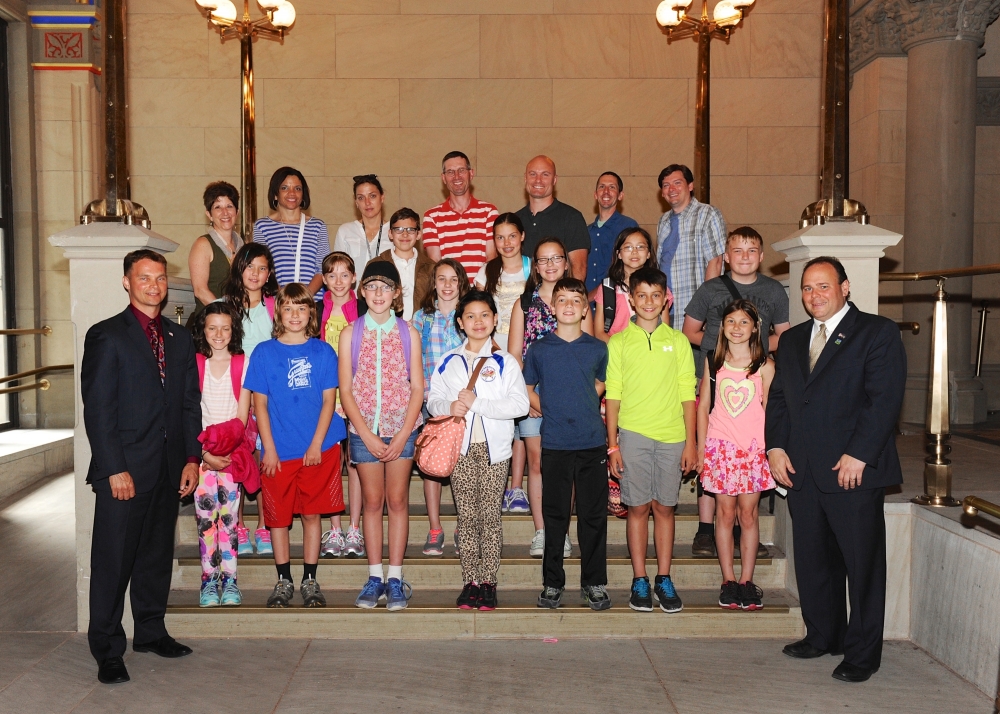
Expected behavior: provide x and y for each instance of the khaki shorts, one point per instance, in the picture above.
(652, 469)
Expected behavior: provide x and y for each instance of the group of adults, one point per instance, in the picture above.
(834, 400)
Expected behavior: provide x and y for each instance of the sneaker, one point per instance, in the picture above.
(434, 545)
(231, 595)
(456, 541)
(596, 596)
(263, 541)
(537, 547)
(641, 598)
(244, 546)
(209, 593)
(354, 543)
(487, 596)
(282, 594)
(505, 502)
(762, 551)
(333, 544)
(518, 501)
(729, 596)
(371, 593)
(469, 599)
(751, 596)
(567, 547)
(397, 593)
(666, 595)
(550, 597)
(703, 546)
(312, 596)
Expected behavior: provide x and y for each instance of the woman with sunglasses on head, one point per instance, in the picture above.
(366, 239)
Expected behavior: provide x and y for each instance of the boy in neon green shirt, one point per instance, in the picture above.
(650, 398)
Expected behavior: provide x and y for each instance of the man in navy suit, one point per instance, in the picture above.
(830, 434)
(142, 412)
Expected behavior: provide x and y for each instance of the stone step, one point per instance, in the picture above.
(431, 614)
(517, 569)
(517, 528)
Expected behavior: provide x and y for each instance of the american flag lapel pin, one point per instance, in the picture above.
(840, 338)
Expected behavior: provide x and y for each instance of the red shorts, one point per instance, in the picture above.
(309, 490)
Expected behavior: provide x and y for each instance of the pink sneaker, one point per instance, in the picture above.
(243, 540)
(263, 538)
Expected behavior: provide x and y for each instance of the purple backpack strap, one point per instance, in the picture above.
(404, 336)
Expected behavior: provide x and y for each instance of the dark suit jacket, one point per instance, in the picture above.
(849, 404)
(127, 412)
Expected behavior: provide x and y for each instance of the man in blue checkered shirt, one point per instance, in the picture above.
(691, 237)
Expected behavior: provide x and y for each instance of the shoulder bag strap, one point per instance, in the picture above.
(236, 374)
(610, 308)
(200, 359)
(525, 266)
(728, 282)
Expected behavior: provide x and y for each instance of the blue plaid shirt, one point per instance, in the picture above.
(702, 237)
(437, 336)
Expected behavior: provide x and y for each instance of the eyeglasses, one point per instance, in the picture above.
(555, 260)
(377, 288)
(452, 173)
(635, 248)
(405, 231)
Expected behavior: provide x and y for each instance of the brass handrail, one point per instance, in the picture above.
(42, 384)
(972, 505)
(32, 372)
(43, 330)
(913, 327)
(944, 273)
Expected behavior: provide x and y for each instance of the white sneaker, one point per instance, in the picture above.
(354, 544)
(537, 547)
(332, 544)
(567, 548)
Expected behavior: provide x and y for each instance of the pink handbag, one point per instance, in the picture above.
(440, 443)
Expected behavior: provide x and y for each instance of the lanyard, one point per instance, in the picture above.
(298, 246)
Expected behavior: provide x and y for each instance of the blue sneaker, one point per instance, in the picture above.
(244, 546)
(231, 595)
(263, 541)
(209, 592)
(397, 593)
(518, 502)
(666, 595)
(371, 593)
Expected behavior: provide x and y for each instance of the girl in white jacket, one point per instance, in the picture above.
(478, 481)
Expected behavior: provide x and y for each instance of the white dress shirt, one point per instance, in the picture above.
(831, 323)
(351, 239)
(408, 274)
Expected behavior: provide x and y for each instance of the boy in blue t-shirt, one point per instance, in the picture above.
(294, 381)
(565, 373)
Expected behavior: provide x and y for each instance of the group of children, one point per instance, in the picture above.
(349, 382)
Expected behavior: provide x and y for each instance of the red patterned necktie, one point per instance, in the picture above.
(156, 342)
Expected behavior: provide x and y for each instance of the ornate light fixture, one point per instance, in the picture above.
(673, 15)
(279, 16)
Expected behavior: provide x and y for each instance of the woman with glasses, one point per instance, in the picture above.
(366, 239)
(212, 253)
(415, 268)
(297, 242)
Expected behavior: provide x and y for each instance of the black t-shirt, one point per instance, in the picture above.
(559, 220)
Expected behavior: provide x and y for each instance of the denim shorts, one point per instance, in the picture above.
(527, 427)
(360, 454)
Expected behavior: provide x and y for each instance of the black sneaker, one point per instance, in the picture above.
(641, 598)
(469, 597)
(666, 595)
(729, 596)
(550, 598)
(703, 546)
(750, 596)
(312, 596)
(762, 551)
(487, 596)
(596, 596)
(282, 594)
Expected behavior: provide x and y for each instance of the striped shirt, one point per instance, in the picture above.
(462, 236)
(282, 238)
(702, 238)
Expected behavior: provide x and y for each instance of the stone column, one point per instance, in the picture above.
(95, 253)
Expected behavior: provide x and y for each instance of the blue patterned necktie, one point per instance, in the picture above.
(156, 343)
(669, 247)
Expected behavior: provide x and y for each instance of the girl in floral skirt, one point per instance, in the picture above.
(732, 459)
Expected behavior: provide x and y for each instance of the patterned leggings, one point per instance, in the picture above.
(477, 487)
(216, 501)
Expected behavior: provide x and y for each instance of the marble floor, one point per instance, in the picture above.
(46, 667)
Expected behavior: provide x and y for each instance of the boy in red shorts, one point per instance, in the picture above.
(294, 381)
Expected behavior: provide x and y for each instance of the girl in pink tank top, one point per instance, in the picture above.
(732, 460)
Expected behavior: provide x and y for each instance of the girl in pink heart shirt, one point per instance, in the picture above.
(732, 461)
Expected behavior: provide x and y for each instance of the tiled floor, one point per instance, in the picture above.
(44, 667)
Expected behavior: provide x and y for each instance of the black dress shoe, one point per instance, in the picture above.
(804, 650)
(847, 672)
(112, 671)
(166, 646)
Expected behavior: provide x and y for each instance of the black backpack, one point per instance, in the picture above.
(610, 301)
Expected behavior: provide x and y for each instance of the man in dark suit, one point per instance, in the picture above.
(830, 434)
(142, 411)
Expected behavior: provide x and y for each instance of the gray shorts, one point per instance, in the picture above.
(652, 469)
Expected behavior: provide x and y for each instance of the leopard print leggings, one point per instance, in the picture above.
(477, 487)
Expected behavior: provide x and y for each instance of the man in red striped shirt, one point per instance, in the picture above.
(462, 226)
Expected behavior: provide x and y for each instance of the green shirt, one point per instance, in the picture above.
(651, 375)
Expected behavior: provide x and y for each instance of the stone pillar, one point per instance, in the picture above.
(95, 253)
(858, 247)
(940, 190)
